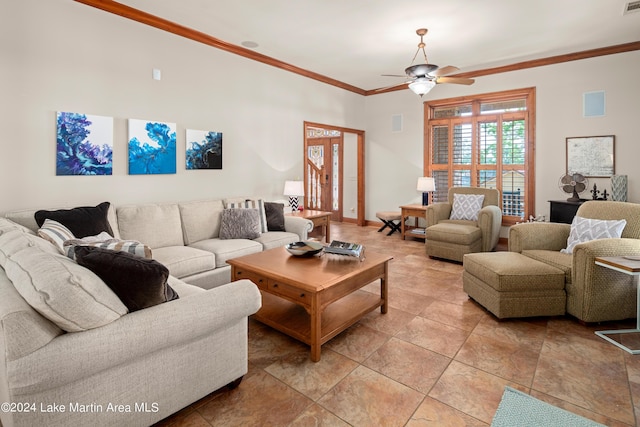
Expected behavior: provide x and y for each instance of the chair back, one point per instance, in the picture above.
(491, 195)
(608, 210)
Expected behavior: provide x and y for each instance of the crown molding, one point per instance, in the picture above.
(189, 33)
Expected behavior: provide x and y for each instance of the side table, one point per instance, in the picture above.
(319, 219)
(416, 211)
(631, 267)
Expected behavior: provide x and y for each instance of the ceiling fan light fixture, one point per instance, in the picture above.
(421, 85)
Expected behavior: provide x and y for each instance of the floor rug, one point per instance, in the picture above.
(520, 409)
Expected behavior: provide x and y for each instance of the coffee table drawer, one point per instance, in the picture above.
(260, 281)
(289, 292)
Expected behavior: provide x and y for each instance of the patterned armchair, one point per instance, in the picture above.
(452, 238)
(594, 294)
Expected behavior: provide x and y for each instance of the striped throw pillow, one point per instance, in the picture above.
(253, 204)
(55, 233)
(130, 246)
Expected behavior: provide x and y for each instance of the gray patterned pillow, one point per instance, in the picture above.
(585, 230)
(240, 224)
(466, 206)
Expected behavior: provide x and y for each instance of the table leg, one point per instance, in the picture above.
(402, 230)
(327, 230)
(316, 328)
(384, 289)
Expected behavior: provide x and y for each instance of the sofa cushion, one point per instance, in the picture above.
(183, 261)
(454, 232)
(275, 216)
(239, 224)
(200, 220)
(69, 295)
(252, 204)
(466, 206)
(56, 233)
(138, 282)
(155, 225)
(225, 249)
(82, 221)
(587, 229)
(553, 258)
(275, 239)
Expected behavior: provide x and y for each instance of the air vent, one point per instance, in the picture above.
(631, 7)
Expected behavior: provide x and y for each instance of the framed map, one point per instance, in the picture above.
(591, 156)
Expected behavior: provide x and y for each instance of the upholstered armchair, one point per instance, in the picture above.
(594, 294)
(452, 238)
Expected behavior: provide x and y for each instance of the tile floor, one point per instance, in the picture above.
(435, 359)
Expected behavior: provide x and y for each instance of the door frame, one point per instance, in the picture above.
(360, 159)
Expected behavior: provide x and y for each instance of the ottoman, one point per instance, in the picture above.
(510, 284)
(389, 220)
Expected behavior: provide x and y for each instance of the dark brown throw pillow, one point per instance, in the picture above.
(275, 216)
(82, 221)
(137, 281)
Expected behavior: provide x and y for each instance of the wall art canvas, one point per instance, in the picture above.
(152, 147)
(591, 156)
(204, 149)
(84, 144)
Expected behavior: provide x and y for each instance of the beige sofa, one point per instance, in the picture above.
(185, 236)
(70, 354)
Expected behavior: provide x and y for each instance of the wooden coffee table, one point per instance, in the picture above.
(313, 299)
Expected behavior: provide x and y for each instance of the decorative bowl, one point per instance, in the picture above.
(304, 248)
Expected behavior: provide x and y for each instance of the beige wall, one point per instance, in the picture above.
(60, 55)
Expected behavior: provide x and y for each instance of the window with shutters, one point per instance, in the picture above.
(484, 141)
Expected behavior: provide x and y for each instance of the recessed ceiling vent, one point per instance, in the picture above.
(631, 7)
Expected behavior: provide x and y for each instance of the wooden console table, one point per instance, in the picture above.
(319, 219)
(416, 211)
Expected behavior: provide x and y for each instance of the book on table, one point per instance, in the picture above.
(345, 248)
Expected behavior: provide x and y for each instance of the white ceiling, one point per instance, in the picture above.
(355, 41)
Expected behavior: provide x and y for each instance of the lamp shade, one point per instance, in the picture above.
(426, 183)
(421, 85)
(294, 188)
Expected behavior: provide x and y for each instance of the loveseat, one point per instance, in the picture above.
(71, 351)
(539, 277)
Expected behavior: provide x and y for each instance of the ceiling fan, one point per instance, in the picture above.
(421, 78)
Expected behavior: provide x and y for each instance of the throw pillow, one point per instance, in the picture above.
(55, 233)
(585, 230)
(275, 216)
(253, 204)
(130, 246)
(466, 206)
(239, 224)
(64, 292)
(82, 221)
(138, 282)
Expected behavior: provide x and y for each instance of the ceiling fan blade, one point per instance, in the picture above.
(455, 80)
(394, 75)
(442, 71)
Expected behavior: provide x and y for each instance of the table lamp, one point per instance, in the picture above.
(426, 184)
(293, 189)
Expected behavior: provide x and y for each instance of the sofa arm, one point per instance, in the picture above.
(437, 212)
(73, 356)
(490, 221)
(300, 226)
(597, 293)
(550, 236)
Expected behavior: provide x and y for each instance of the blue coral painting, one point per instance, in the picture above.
(84, 144)
(204, 149)
(152, 147)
